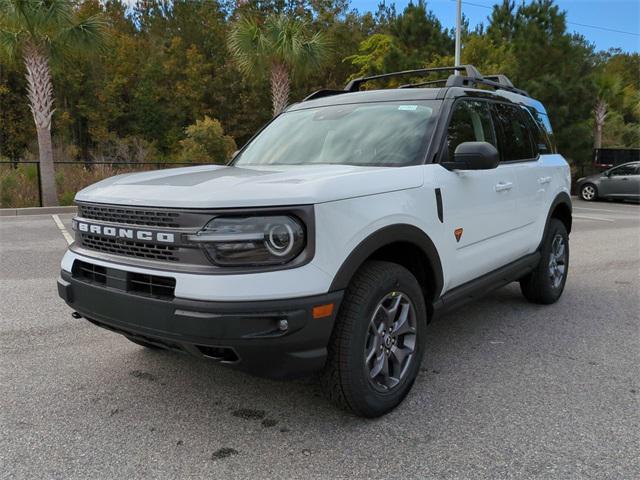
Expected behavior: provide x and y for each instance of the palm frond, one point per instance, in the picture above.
(248, 46)
(295, 46)
(280, 39)
(83, 36)
(43, 18)
(9, 44)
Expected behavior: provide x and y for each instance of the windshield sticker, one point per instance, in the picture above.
(408, 107)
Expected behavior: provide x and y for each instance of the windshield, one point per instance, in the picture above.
(378, 134)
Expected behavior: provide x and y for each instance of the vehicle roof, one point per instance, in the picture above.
(404, 94)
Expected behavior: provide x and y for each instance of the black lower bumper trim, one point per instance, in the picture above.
(253, 331)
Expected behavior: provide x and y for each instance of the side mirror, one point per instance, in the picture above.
(474, 156)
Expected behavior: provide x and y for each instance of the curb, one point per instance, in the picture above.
(13, 212)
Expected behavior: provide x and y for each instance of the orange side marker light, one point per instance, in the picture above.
(322, 311)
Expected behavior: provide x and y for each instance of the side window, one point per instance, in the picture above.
(515, 140)
(624, 170)
(542, 120)
(541, 143)
(470, 122)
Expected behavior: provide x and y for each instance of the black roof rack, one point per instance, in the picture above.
(464, 76)
(499, 82)
(469, 70)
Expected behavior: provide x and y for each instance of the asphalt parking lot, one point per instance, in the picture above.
(507, 389)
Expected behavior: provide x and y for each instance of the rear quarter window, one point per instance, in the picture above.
(542, 120)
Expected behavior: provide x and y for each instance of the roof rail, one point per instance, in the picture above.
(500, 78)
(464, 76)
(469, 70)
(498, 82)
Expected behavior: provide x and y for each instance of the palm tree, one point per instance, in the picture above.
(609, 91)
(281, 46)
(38, 31)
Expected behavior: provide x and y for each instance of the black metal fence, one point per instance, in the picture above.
(90, 164)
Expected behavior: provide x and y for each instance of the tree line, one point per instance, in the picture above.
(169, 80)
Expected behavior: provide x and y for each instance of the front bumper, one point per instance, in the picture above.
(244, 335)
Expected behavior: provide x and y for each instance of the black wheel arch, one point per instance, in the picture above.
(400, 243)
(561, 209)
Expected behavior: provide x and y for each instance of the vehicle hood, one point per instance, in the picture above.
(213, 186)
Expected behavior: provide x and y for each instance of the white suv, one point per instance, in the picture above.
(336, 235)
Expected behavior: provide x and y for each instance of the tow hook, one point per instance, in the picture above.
(76, 315)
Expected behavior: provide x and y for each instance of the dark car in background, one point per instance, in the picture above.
(621, 183)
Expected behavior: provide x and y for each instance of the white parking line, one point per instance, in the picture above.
(585, 217)
(597, 209)
(62, 228)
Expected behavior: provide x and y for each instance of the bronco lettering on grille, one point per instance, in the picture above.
(128, 233)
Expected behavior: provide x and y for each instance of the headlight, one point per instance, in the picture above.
(252, 241)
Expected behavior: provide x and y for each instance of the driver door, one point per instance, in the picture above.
(479, 205)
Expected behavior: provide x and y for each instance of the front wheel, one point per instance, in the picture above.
(378, 341)
(546, 283)
(588, 192)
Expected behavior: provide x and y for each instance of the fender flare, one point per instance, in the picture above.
(386, 236)
(561, 198)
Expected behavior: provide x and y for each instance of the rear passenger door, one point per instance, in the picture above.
(519, 153)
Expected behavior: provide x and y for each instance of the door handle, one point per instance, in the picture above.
(625, 179)
(544, 180)
(503, 186)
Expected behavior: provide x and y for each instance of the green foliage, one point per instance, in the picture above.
(168, 67)
(206, 143)
(377, 54)
(16, 126)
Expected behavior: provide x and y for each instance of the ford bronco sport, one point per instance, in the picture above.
(335, 235)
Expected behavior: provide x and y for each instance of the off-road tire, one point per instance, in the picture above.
(345, 377)
(537, 287)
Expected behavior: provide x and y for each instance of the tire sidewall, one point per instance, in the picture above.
(371, 400)
(555, 227)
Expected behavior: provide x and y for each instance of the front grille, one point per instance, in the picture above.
(131, 248)
(135, 283)
(131, 216)
(151, 285)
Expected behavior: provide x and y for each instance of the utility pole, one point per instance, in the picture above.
(458, 29)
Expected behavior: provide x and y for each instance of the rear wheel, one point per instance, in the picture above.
(546, 283)
(378, 341)
(588, 192)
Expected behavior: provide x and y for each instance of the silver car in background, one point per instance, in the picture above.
(621, 183)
